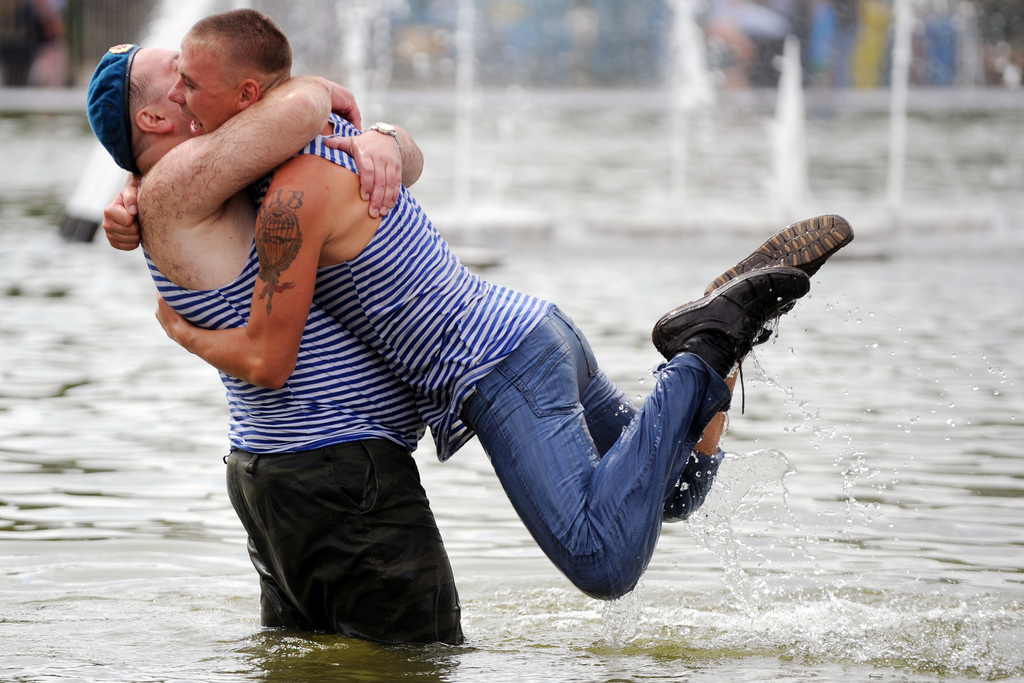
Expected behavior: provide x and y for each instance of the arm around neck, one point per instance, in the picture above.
(193, 181)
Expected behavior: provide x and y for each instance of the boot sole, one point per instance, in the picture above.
(805, 245)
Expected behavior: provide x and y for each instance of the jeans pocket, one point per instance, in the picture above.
(588, 359)
(552, 389)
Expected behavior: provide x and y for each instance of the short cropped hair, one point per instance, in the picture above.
(246, 38)
(141, 93)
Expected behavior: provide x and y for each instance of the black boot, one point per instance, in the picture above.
(715, 349)
(723, 326)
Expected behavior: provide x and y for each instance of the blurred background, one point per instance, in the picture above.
(649, 116)
(612, 156)
(564, 43)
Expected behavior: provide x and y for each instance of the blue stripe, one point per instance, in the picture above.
(438, 326)
(341, 389)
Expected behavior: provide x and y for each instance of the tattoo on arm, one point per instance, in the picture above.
(278, 240)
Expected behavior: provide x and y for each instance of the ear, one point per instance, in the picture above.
(249, 92)
(152, 119)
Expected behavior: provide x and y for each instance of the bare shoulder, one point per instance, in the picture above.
(316, 172)
(327, 195)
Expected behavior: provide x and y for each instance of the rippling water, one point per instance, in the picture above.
(868, 523)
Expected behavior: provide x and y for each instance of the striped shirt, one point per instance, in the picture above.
(341, 389)
(438, 326)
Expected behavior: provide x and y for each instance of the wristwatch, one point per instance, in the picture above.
(386, 129)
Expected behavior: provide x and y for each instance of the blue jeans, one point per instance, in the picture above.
(586, 471)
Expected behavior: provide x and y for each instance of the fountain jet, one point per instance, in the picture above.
(898, 104)
(691, 91)
(791, 184)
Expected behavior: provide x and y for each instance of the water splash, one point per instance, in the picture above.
(622, 617)
(730, 498)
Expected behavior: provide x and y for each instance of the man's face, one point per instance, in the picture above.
(205, 90)
(159, 68)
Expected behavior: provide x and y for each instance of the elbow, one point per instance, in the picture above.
(305, 104)
(411, 175)
(312, 110)
(270, 375)
(268, 381)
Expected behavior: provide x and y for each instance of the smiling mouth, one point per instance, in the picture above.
(194, 124)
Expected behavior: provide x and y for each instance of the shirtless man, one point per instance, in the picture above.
(321, 472)
(590, 475)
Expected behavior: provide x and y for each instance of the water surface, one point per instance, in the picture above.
(867, 525)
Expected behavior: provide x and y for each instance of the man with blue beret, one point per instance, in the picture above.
(353, 547)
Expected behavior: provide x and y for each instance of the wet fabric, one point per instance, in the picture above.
(340, 390)
(693, 487)
(344, 540)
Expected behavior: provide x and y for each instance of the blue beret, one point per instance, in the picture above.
(108, 104)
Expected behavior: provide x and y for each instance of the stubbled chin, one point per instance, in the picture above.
(196, 127)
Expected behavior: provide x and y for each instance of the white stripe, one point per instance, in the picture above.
(340, 390)
(438, 326)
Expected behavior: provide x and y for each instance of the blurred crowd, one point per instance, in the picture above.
(848, 43)
(844, 43)
(33, 43)
(570, 43)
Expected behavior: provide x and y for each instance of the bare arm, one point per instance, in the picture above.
(193, 180)
(343, 103)
(412, 158)
(379, 162)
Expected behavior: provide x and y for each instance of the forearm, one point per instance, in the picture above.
(232, 351)
(194, 179)
(268, 133)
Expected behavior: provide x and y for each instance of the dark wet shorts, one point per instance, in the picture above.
(344, 540)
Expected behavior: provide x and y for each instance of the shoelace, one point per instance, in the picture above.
(743, 392)
(767, 331)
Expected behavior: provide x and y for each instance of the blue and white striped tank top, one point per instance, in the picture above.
(439, 327)
(341, 390)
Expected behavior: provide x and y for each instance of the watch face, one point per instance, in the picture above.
(384, 128)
